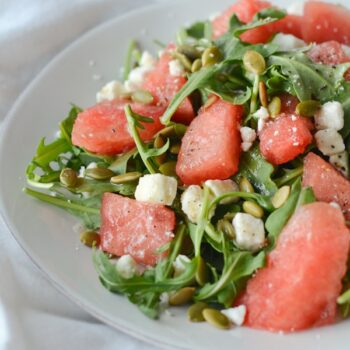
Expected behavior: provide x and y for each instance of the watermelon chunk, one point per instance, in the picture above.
(211, 146)
(285, 138)
(163, 86)
(103, 128)
(135, 228)
(327, 183)
(302, 280)
(324, 22)
(291, 24)
(330, 52)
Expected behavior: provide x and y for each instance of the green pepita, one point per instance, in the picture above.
(99, 173)
(182, 296)
(90, 238)
(210, 56)
(275, 107)
(168, 168)
(254, 62)
(180, 129)
(216, 318)
(253, 208)
(307, 108)
(158, 143)
(185, 61)
(175, 149)
(189, 51)
(68, 177)
(280, 197)
(195, 312)
(127, 177)
(196, 65)
(245, 185)
(226, 227)
(167, 131)
(229, 216)
(142, 96)
(263, 94)
(202, 272)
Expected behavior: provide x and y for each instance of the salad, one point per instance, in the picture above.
(216, 173)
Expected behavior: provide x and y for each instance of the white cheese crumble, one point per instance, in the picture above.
(221, 187)
(236, 314)
(329, 142)
(287, 42)
(176, 69)
(126, 266)
(191, 202)
(250, 232)
(330, 116)
(262, 114)
(341, 162)
(179, 264)
(156, 188)
(147, 60)
(296, 8)
(248, 136)
(110, 91)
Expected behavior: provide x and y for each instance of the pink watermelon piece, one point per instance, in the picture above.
(103, 128)
(285, 138)
(211, 146)
(324, 22)
(299, 286)
(163, 86)
(291, 24)
(327, 183)
(329, 52)
(135, 228)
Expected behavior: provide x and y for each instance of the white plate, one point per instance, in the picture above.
(45, 232)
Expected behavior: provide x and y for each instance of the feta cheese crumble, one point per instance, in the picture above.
(330, 116)
(341, 162)
(248, 136)
(126, 266)
(176, 69)
(329, 142)
(156, 188)
(179, 264)
(262, 114)
(221, 187)
(110, 91)
(191, 202)
(296, 8)
(236, 314)
(250, 232)
(287, 42)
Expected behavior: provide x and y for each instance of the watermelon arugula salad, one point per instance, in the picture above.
(216, 174)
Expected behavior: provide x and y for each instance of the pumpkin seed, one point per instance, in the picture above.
(99, 173)
(168, 168)
(183, 60)
(245, 185)
(180, 129)
(182, 296)
(167, 131)
(210, 56)
(229, 216)
(280, 197)
(175, 149)
(191, 52)
(142, 96)
(187, 246)
(226, 227)
(252, 208)
(254, 62)
(216, 318)
(127, 177)
(263, 94)
(68, 177)
(196, 65)
(90, 238)
(158, 143)
(202, 272)
(275, 107)
(194, 312)
(307, 108)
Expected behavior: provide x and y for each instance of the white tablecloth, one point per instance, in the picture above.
(33, 315)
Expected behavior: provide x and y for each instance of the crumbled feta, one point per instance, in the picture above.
(250, 232)
(126, 266)
(341, 162)
(346, 49)
(179, 264)
(136, 78)
(92, 165)
(164, 299)
(156, 188)
(296, 8)
(221, 187)
(335, 205)
(246, 146)
(110, 91)
(213, 16)
(248, 134)
(287, 42)
(147, 60)
(191, 202)
(329, 142)
(330, 116)
(176, 69)
(262, 114)
(81, 172)
(236, 314)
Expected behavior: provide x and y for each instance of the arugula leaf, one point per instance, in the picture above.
(343, 97)
(131, 54)
(120, 164)
(66, 126)
(257, 170)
